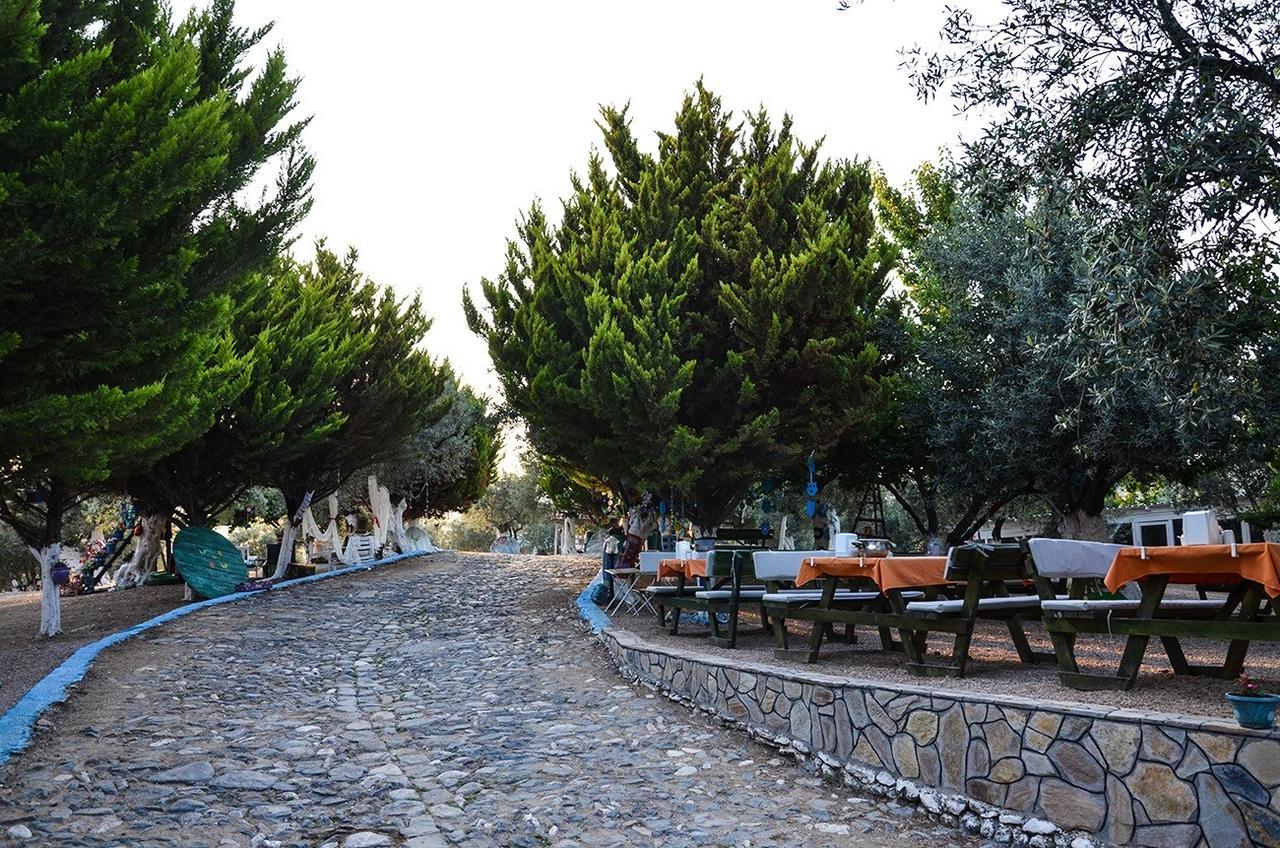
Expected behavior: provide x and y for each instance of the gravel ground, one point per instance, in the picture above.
(26, 656)
(425, 704)
(994, 667)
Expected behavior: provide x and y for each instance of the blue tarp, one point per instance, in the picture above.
(589, 612)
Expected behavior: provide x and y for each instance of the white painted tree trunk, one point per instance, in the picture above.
(1080, 525)
(50, 603)
(568, 538)
(399, 536)
(286, 550)
(146, 553)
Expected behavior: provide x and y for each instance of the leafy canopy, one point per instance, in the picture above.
(700, 317)
(126, 144)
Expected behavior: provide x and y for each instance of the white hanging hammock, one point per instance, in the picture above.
(388, 522)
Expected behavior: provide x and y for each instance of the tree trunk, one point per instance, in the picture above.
(50, 603)
(1080, 524)
(286, 550)
(150, 545)
(935, 544)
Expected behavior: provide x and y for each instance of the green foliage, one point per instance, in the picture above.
(467, 531)
(257, 535)
(700, 317)
(292, 343)
(125, 146)
(15, 562)
(934, 458)
(575, 494)
(1165, 112)
(384, 388)
(446, 465)
(1054, 360)
(513, 502)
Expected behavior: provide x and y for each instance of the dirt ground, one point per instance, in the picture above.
(994, 667)
(25, 656)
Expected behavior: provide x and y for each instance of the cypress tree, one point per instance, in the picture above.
(700, 317)
(125, 144)
(386, 388)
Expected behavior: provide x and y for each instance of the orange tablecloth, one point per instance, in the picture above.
(670, 568)
(887, 572)
(1258, 561)
(690, 568)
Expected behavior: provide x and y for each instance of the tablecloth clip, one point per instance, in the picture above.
(1109, 612)
(1143, 552)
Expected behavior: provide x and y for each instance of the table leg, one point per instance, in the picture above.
(819, 628)
(1136, 647)
(1239, 647)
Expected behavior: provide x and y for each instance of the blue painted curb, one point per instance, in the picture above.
(588, 611)
(17, 722)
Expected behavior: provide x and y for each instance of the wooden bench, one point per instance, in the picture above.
(727, 572)
(986, 570)
(1236, 619)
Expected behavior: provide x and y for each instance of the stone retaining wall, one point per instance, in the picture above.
(1013, 769)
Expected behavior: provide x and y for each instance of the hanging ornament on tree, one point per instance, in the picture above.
(811, 488)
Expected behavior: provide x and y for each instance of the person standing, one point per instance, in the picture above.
(612, 545)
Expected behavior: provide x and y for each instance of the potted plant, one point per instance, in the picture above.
(1253, 707)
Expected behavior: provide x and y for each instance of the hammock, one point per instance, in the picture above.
(388, 524)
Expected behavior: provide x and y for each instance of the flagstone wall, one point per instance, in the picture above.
(1013, 769)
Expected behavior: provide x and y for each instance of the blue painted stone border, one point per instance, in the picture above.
(17, 722)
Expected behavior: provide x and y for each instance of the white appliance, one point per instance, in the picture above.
(844, 543)
(1201, 528)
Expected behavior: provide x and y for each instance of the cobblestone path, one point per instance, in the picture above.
(424, 704)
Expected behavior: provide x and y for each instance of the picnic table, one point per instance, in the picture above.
(907, 600)
(896, 581)
(723, 571)
(1251, 571)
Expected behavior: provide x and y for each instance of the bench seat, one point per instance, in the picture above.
(810, 597)
(948, 607)
(746, 593)
(1092, 605)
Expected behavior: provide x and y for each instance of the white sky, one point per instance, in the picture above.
(435, 124)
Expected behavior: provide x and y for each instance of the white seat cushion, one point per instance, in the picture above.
(1092, 605)
(1015, 602)
(810, 597)
(746, 594)
(1058, 558)
(782, 565)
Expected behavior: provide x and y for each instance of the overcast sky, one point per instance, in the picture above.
(434, 124)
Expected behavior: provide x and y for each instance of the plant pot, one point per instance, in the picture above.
(1258, 712)
(60, 574)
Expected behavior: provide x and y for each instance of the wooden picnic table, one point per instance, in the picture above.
(982, 569)
(723, 571)
(1251, 570)
(686, 568)
(889, 573)
(884, 609)
(1258, 562)
(671, 568)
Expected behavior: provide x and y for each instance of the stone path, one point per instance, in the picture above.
(401, 707)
